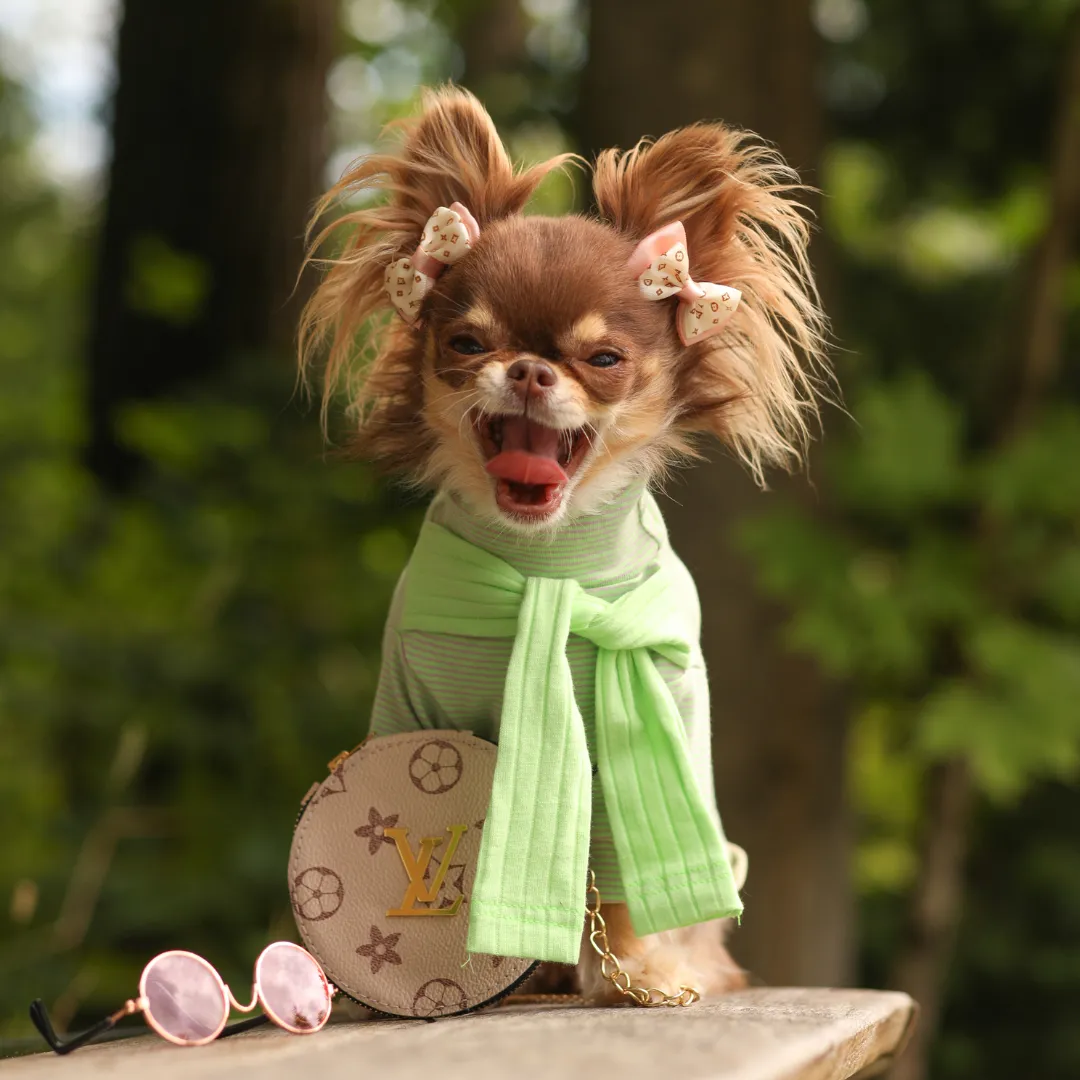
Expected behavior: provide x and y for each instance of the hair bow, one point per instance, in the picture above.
(450, 232)
(662, 265)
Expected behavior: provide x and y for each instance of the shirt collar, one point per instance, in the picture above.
(616, 544)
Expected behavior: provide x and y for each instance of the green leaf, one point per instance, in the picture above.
(181, 434)
(168, 284)
(905, 454)
(1015, 717)
(884, 784)
(865, 612)
(856, 175)
(1037, 473)
(1057, 583)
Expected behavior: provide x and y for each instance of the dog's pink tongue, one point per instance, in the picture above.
(529, 454)
(524, 468)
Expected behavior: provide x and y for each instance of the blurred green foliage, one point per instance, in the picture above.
(178, 664)
(167, 284)
(945, 586)
(939, 573)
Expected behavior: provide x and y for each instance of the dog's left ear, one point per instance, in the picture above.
(754, 384)
(448, 156)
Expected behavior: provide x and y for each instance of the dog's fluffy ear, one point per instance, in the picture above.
(450, 152)
(753, 385)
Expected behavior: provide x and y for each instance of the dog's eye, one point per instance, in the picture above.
(605, 359)
(466, 345)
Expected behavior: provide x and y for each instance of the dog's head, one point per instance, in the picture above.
(536, 376)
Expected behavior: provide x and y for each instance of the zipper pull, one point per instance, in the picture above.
(331, 767)
(337, 759)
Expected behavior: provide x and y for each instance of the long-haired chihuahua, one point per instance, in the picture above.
(532, 370)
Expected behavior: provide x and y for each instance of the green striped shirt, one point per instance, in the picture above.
(442, 681)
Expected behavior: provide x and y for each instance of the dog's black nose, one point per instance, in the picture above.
(530, 378)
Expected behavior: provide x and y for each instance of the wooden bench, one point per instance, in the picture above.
(761, 1034)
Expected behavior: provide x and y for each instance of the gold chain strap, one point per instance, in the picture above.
(650, 997)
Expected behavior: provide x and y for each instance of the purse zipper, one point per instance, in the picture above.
(331, 766)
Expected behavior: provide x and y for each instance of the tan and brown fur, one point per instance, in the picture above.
(559, 289)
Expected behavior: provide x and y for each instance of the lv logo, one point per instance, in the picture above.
(416, 866)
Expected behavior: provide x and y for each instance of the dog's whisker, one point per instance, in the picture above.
(465, 419)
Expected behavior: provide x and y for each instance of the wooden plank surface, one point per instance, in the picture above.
(761, 1034)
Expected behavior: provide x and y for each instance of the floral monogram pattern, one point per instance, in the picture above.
(335, 783)
(375, 830)
(437, 997)
(666, 275)
(707, 316)
(435, 767)
(380, 950)
(317, 893)
(446, 236)
(449, 234)
(406, 287)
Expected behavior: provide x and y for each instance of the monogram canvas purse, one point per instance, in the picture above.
(381, 871)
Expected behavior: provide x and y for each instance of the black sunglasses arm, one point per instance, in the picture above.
(40, 1017)
(245, 1025)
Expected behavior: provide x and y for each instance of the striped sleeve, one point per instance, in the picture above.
(401, 704)
(393, 710)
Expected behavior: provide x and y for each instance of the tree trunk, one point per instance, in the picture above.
(934, 907)
(218, 150)
(778, 726)
(492, 37)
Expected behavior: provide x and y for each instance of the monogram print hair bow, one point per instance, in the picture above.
(662, 266)
(450, 233)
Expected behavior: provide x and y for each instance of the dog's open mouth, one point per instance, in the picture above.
(531, 463)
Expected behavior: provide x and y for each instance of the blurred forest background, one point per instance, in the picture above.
(192, 591)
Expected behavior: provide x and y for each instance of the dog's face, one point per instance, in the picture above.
(534, 379)
(547, 377)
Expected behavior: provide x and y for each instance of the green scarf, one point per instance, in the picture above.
(529, 893)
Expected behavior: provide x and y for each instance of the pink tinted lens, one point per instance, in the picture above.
(184, 998)
(292, 987)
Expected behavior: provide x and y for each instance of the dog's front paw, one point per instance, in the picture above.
(692, 957)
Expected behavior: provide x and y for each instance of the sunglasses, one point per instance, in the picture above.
(187, 1002)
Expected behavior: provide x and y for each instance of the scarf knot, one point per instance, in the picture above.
(636, 620)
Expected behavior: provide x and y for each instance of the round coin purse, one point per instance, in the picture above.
(381, 871)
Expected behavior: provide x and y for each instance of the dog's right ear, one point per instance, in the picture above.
(755, 385)
(450, 153)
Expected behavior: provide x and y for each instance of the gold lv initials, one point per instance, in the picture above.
(416, 866)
